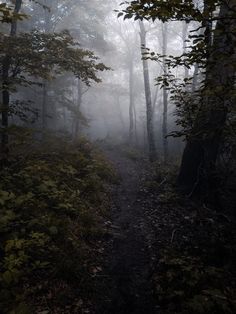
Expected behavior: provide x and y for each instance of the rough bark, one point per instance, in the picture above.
(149, 111)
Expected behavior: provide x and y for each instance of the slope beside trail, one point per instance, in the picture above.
(158, 243)
(129, 257)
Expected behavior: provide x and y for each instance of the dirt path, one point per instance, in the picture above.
(129, 262)
(152, 221)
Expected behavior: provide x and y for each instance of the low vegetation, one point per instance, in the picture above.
(195, 248)
(52, 206)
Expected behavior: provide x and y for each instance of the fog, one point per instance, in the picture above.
(117, 156)
(116, 107)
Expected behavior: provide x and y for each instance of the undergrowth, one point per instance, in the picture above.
(52, 203)
(195, 266)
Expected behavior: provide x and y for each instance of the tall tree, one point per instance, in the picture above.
(165, 93)
(199, 159)
(6, 63)
(130, 49)
(185, 37)
(215, 52)
(149, 107)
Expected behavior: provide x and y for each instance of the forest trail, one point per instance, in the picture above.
(129, 256)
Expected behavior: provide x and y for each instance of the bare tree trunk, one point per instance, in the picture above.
(131, 100)
(185, 36)
(155, 96)
(135, 125)
(122, 121)
(47, 29)
(44, 107)
(150, 130)
(195, 78)
(165, 95)
(79, 103)
(5, 89)
(197, 172)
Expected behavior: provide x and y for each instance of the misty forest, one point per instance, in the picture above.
(117, 157)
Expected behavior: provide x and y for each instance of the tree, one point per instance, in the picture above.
(214, 52)
(165, 94)
(149, 107)
(30, 57)
(201, 152)
(6, 63)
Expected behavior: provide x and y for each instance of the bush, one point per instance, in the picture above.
(51, 205)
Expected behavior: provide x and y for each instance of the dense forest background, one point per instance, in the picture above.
(117, 115)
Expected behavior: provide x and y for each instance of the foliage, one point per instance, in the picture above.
(185, 284)
(51, 203)
(7, 14)
(202, 51)
(166, 10)
(41, 55)
(194, 268)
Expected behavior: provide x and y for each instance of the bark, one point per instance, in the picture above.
(47, 29)
(149, 111)
(185, 37)
(44, 107)
(135, 125)
(79, 103)
(131, 100)
(165, 95)
(195, 78)
(120, 114)
(5, 88)
(198, 168)
(155, 97)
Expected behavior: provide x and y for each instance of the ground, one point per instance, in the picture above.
(151, 228)
(97, 229)
(130, 258)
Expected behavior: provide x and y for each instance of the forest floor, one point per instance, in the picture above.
(129, 256)
(163, 253)
(81, 233)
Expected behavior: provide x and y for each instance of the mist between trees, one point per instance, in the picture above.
(75, 67)
(154, 79)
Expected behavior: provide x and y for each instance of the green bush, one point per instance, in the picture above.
(185, 284)
(51, 205)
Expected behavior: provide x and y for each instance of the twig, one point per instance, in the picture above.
(162, 182)
(172, 236)
(197, 181)
(216, 296)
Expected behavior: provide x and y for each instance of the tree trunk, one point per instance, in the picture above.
(131, 100)
(120, 114)
(198, 168)
(79, 102)
(5, 89)
(150, 130)
(44, 106)
(195, 78)
(185, 36)
(165, 95)
(135, 125)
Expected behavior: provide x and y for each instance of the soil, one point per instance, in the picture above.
(129, 256)
(143, 223)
